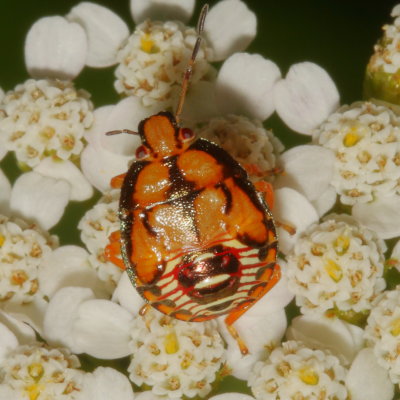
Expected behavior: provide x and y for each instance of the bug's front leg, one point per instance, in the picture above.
(117, 181)
(271, 276)
(113, 250)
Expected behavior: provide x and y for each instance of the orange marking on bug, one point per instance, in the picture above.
(152, 184)
(160, 136)
(200, 168)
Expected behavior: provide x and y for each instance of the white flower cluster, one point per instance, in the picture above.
(293, 371)
(152, 62)
(175, 358)
(44, 117)
(96, 226)
(38, 372)
(365, 138)
(387, 55)
(336, 264)
(255, 147)
(383, 332)
(22, 251)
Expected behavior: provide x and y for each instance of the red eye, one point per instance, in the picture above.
(142, 152)
(186, 134)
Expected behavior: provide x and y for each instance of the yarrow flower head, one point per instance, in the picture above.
(383, 332)
(152, 62)
(381, 76)
(175, 358)
(253, 146)
(96, 226)
(38, 372)
(336, 266)
(365, 138)
(42, 118)
(22, 251)
(293, 371)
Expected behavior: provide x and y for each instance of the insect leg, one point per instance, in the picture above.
(117, 181)
(113, 250)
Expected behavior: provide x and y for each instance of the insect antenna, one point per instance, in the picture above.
(189, 67)
(118, 131)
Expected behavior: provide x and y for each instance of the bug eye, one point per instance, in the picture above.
(141, 152)
(186, 134)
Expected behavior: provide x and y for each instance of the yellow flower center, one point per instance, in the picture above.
(36, 371)
(2, 240)
(352, 137)
(34, 391)
(341, 244)
(395, 331)
(147, 44)
(308, 376)
(171, 343)
(333, 270)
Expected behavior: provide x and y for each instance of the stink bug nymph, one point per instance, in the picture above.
(197, 239)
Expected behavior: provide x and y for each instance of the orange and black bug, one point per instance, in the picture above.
(197, 239)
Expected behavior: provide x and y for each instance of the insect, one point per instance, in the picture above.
(197, 238)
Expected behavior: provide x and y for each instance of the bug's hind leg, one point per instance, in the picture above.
(270, 277)
(113, 250)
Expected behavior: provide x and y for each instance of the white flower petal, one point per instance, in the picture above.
(68, 266)
(127, 296)
(106, 383)
(5, 192)
(326, 201)
(8, 341)
(81, 189)
(161, 10)
(307, 169)
(367, 380)
(200, 103)
(258, 330)
(31, 313)
(293, 208)
(6, 393)
(55, 48)
(229, 27)
(318, 332)
(105, 31)
(60, 315)
(381, 215)
(99, 166)
(277, 298)
(306, 97)
(40, 198)
(231, 396)
(250, 95)
(22, 331)
(102, 329)
(108, 156)
(126, 114)
(148, 395)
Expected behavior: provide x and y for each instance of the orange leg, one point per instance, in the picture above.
(113, 250)
(272, 277)
(117, 181)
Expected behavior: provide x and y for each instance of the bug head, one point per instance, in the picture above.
(162, 137)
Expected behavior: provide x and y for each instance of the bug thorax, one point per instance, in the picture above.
(162, 137)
